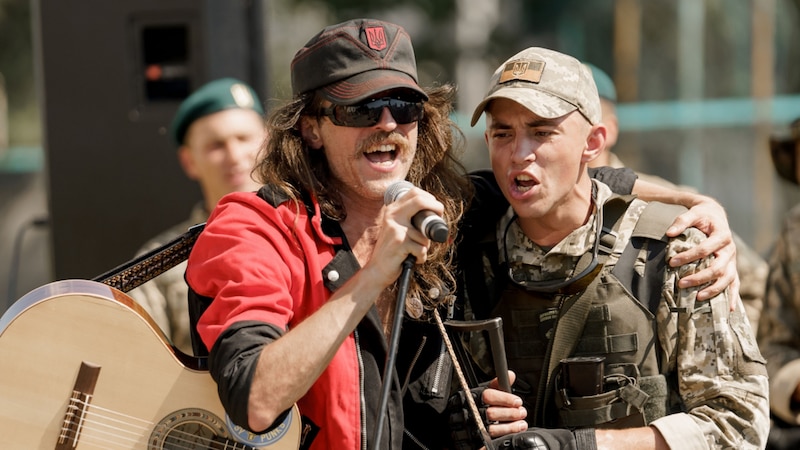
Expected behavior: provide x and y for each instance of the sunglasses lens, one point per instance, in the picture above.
(354, 116)
(405, 112)
(369, 113)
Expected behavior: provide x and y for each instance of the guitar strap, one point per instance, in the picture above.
(144, 268)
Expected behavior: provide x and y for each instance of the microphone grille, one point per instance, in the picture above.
(396, 190)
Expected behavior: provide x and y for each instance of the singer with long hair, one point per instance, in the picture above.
(303, 274)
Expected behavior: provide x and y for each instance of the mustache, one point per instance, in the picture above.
(383, 137)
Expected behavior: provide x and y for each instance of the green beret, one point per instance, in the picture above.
(605, 85)
(225, 93)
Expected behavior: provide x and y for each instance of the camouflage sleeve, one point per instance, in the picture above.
(721, 377)
(779, 328)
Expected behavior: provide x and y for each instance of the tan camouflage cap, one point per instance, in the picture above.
(549, 83)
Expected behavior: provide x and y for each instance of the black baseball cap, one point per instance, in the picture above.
(354, 60)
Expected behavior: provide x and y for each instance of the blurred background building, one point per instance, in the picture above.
(88, 87)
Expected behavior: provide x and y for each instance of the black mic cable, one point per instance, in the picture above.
(388, 370)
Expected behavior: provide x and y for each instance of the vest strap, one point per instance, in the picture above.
(576, 309)
(525, 349)
(607, 345)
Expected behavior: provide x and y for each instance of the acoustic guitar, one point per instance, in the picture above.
(83, 366)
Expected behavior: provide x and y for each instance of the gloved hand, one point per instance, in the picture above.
(548, 439)
(463, 430)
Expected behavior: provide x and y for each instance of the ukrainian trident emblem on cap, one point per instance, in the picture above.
(376, 38)
(519, 68)
(522, 70)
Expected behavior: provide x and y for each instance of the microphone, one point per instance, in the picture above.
(428, 222)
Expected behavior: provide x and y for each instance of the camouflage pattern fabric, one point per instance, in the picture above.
(549, 83)
(712, 351)
(752, 268)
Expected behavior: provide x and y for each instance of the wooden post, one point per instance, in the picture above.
(762, 90)
(627, 48)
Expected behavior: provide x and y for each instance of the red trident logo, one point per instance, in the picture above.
(376, 38)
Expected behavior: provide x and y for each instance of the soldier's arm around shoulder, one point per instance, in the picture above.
(712, 352)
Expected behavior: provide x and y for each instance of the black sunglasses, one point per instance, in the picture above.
(367, 114)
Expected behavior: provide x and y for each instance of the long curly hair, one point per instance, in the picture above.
(288, 164)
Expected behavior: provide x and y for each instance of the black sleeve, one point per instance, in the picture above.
(487, 207)
(232, 363)
(619, 180)
(477, 282)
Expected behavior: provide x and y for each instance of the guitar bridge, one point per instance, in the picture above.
(78, 404)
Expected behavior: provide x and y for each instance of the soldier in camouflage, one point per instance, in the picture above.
(779, 330)
(607, 350)
(219, 130)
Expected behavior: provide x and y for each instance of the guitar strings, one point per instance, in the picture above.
(99, 430)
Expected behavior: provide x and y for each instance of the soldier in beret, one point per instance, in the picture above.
(218, 131)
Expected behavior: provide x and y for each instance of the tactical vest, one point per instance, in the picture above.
(612, 318)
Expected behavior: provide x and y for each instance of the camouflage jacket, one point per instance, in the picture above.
(779, 330)
(165, 296)
(710, 350)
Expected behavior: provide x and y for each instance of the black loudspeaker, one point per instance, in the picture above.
(112, 74)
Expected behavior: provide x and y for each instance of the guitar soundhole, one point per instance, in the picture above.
(188, 429)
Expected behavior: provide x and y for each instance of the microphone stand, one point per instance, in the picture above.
(402, 291)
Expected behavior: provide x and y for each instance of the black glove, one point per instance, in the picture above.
(548, 439)
(463, 430)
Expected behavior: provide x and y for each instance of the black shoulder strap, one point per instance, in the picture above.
(649, 235)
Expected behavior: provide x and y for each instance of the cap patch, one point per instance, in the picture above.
(241, 96)
(376, 38)
(530, 71)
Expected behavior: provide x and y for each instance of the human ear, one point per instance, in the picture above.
(309, 129)
(595, 142)
(186, 159)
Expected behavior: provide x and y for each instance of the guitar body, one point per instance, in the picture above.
(82, 366)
